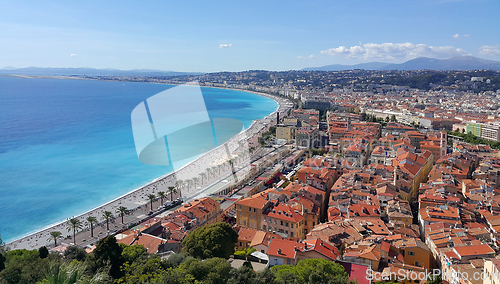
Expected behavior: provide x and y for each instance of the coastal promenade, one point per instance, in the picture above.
(190, 180)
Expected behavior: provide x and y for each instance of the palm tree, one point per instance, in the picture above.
(195, 180)
(107, 215)
(54, 236)
(161, 194)
(172, 190)
(181, 183)
(203, 175)
(209, 171)
(122, 211)
(178, 188)
(151, 197)
(74, 224)
(213, 169)
(92, 220)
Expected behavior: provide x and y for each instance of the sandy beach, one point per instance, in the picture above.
(188, 178)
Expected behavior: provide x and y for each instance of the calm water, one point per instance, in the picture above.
(66, 146)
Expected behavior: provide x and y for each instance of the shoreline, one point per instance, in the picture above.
(135, 197)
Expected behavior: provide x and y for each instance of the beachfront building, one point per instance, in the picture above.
(206, 210)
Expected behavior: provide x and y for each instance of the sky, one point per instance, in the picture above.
(212, 36)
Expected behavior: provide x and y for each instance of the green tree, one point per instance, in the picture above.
(171, 191)
(265, 276)
(74, 252)
(178, 185)
(435, 279)
(107, 253)
(108, 216)
(312, 270)
(43, 252)
(55, 236)
(131, 253)
(246, 252)
(74, 225)
(161, 194)
(242, 275)
(92, 221)
(122, 211)
(24, 266)
(213, 270)
(151, 198)
(69, 273)
(216, 240)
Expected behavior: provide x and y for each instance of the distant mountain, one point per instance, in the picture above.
(90, 72)
(338, 67)
(421, 63)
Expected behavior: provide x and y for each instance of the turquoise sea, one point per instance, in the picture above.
(66, 146)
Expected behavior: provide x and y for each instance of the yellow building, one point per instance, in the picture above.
(491, 271)
(415, 252)
(249, 211)
(285, 132)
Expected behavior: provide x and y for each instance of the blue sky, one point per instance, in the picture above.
(209, 36)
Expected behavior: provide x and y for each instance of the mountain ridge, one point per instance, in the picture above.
(420, 63)
(80, 71)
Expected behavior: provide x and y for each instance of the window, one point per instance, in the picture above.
(281, 223)
(264, 219)
(411, 253)
(291, 225)
(288, 261)
(314, 223)
(417, 263)
(244, 223)
(249, 209)
(263, 227)
(291, 234)
(286, 224)
(254, 210)
(305, 223)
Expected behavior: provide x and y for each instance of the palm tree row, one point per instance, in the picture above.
(75, 224)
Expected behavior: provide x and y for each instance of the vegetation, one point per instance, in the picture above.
(216, 240)
(473, 139)
(161, 195)
(92, 221)
(122, 211)
(311, 271)
(117, 263)
(55, 236)
(108, 216)
(74, 225)
(151, 198)
(172, 190)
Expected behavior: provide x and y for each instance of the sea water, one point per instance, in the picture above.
(66, 146)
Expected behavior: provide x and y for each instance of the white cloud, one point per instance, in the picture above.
(394, 51)
(456, 35)
(466, 35)
(224, 45)
(73, 55)
(490, 50)
(306, 57)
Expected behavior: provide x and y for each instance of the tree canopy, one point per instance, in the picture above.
(216, 240)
